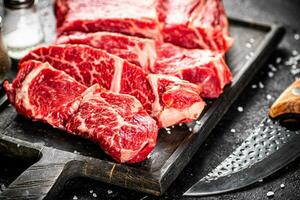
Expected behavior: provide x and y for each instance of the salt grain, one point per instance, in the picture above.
(190, 129)
(278, 60)
(75, 197)
(294, 52)
(270, 74)
(270, 194)
(254, 86)
(272, 67)
(18, 145)
(94, 195)
(91, 191)
(232, 130)
(269, 97)
(296, 36)
(109, 192)
(180, 124)
(251, 40)
(248, 57)
(248, 45)
(251, 54)
(261, 85)
(282, 185)
(198, 122)
(260, 180)
(240, 109)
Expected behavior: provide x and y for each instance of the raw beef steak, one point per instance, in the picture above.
(43, 93)
(198, 66)
(196, 24)
(90, 66)
(136, 50)
(132, 17)
(117, 122)
(176, 101)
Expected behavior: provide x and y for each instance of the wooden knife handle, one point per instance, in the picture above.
(288, 102)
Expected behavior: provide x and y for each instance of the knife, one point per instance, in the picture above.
(267, 149)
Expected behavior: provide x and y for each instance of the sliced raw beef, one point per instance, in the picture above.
(132, 17)
(196, 24)
(90, 66)
(180, 99)
(136, 50)
(198, 66)
(117, 122)
(43, 93)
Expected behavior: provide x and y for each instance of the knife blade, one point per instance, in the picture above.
(267, 149)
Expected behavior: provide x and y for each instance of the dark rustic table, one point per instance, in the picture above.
(255, 100)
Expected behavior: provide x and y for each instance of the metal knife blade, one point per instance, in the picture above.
(269, 148)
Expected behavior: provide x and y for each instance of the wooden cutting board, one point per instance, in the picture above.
(60, 156)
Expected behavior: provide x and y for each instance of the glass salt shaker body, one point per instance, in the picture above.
(5, 62)
(22, 29)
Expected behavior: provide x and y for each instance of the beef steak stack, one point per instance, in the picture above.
(122, 69)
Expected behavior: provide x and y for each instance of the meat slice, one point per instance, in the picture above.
(136, 50)
(90, 66)
(176, 100)
(132, 17)
(117, 122)
(43, 93)
(196, 24)
(202, 67)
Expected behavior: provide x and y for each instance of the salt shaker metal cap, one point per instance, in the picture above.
(18, 4)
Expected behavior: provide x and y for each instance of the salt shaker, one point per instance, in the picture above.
(5, 62)
(22, 29)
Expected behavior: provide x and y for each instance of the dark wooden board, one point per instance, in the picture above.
(62, 156)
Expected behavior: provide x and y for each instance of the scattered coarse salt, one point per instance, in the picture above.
(270, 74)
(232, 130)
(167, 129)
(296, 36)
(198, 122)
(18, 145)
(269, 97)
(295, 52)
(270, 194)
(94, 195)
(248, 45)
(145, 197)
(278, 60)
(109, 192)
(295, 71)
(254, 86)
(282, 185)
(91, 191)
(240, 108)
(173, 126)
(261, 85)
(251, 40)
(180, 124)
(75, 197)
(272, 67)
(251, 54)
(260, 180)
(190, 129)
(248, 57)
